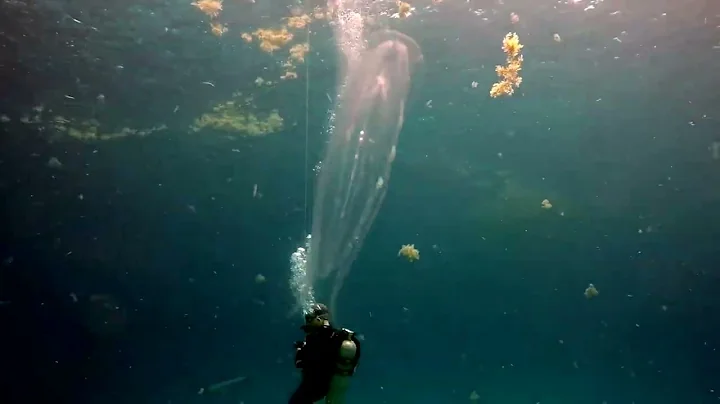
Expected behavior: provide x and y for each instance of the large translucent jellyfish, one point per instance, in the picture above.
(356, 169)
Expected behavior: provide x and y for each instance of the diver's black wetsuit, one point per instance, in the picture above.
(318, 357)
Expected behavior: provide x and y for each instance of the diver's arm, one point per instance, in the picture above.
(348, 360)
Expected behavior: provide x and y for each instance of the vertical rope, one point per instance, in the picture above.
(306, 223)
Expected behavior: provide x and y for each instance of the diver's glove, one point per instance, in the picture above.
(299, 355)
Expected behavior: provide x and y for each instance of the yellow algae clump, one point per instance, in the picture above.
(404, 9)
(210, 7)
(217, 29)
(297, 52)
(510, 73)
(60, 123)
(320, 14)
(89, 130)
(86, 130)
(272, 40)
(262, 82)
(591, 291)
(409, 252)
(235, 116)
(511, 45)
(545, 204)
(289, 75)
(299, 22)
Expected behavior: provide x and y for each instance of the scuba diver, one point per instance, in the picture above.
(327, 357)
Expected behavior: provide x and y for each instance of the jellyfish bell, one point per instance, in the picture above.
(401, 53)
(377, 84)
(401, 43)
(366, 125)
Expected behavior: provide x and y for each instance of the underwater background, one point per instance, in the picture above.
(153, 181)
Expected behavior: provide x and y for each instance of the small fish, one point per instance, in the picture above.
(69, 97)
(208, 83)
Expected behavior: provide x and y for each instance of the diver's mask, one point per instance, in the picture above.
(317, 315)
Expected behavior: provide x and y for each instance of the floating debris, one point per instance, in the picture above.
(591, 291)
(54, 163)
(218, 386)
(715, 149)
